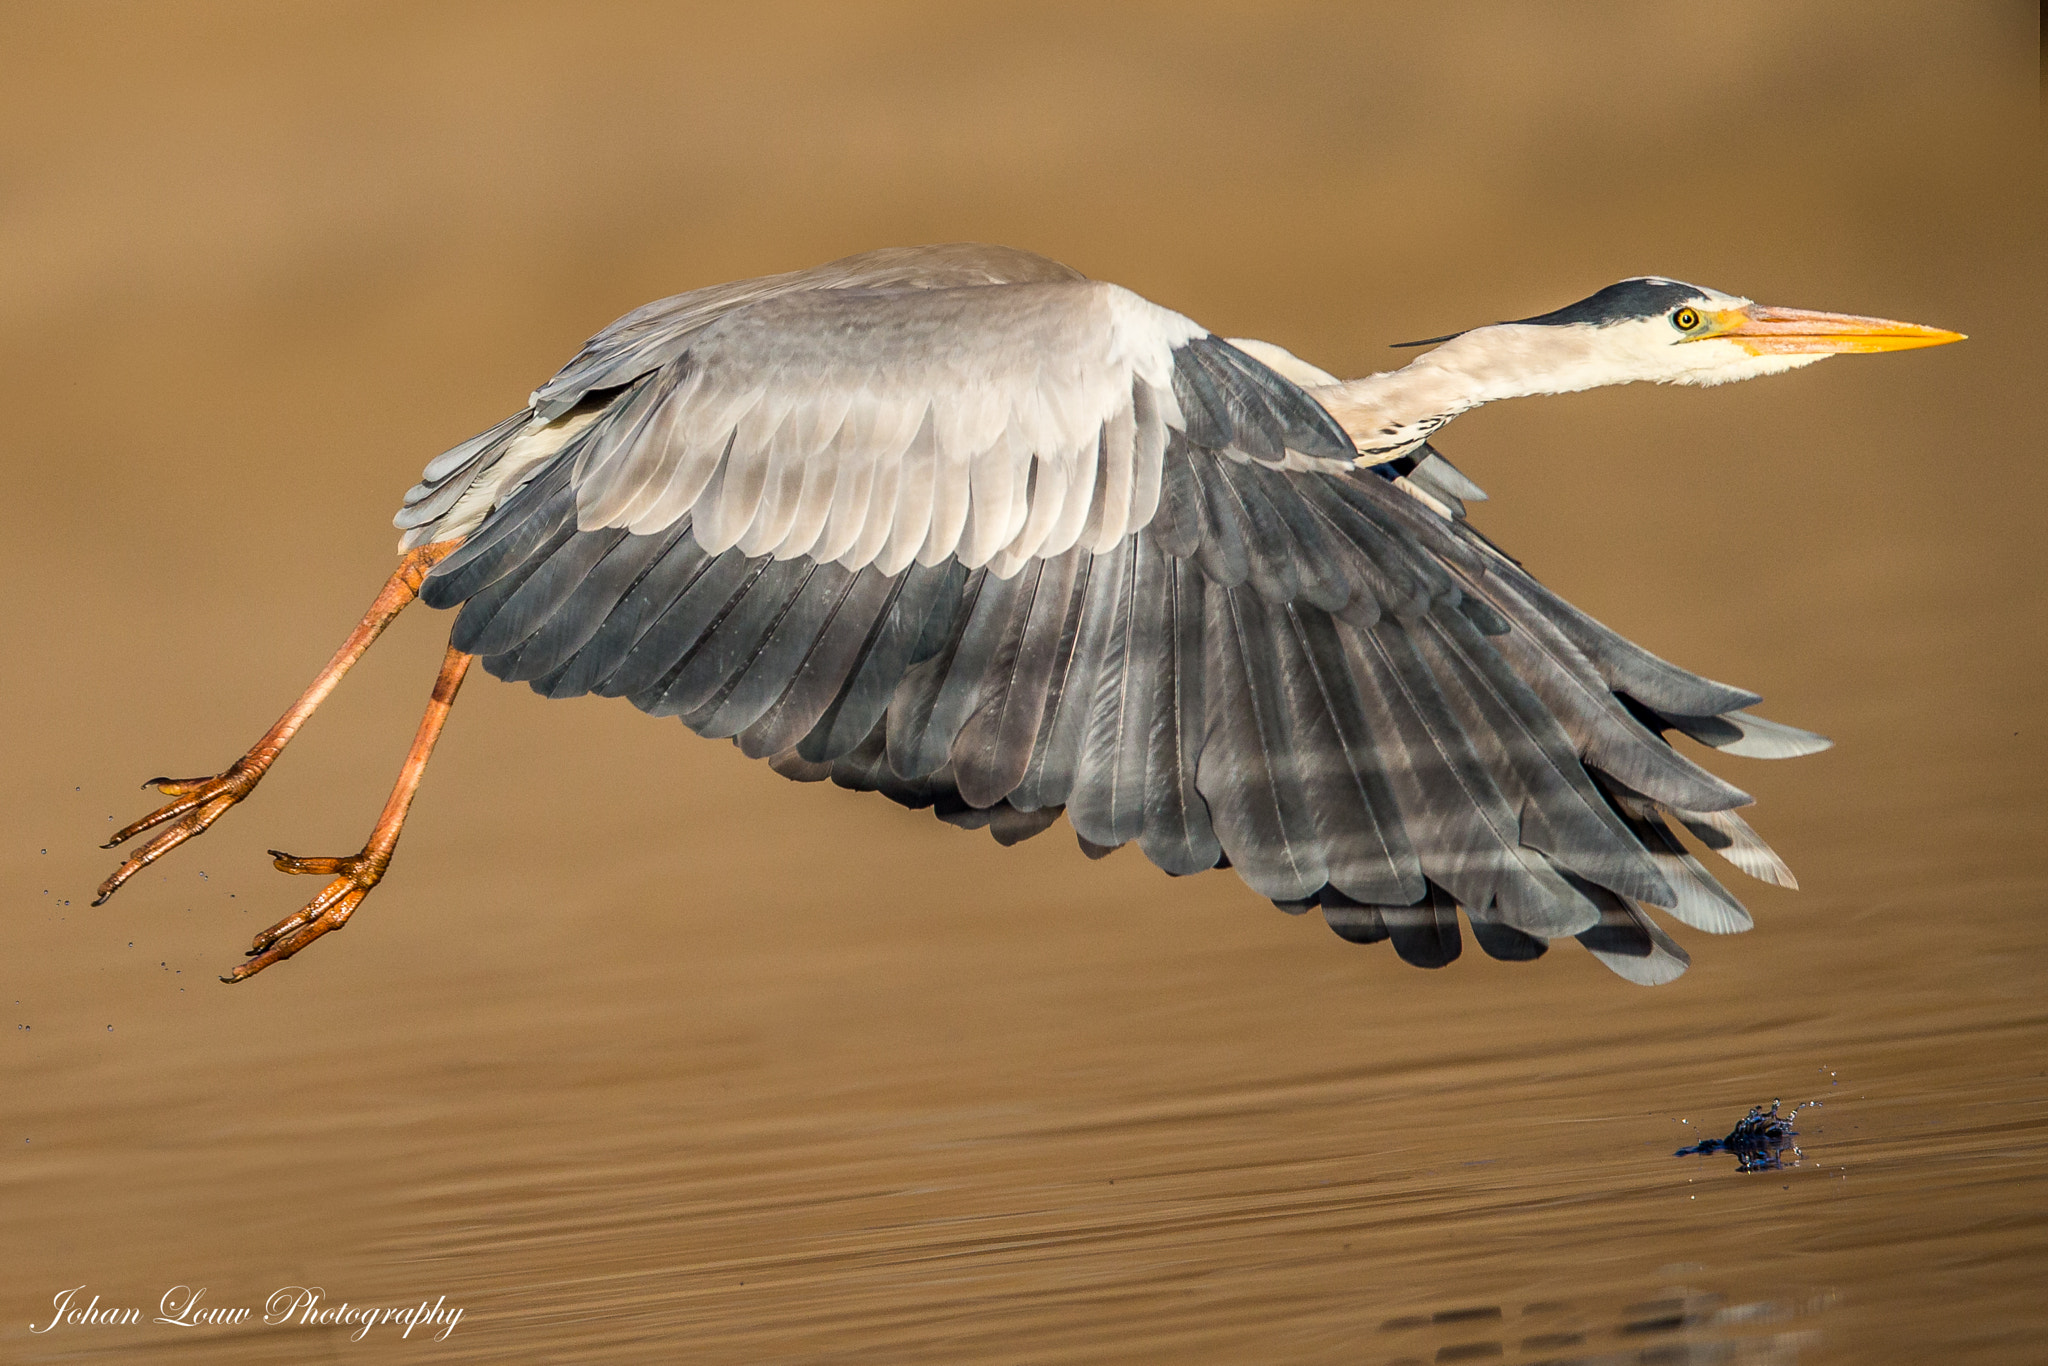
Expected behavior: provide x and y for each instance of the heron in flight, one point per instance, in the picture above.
(961, 526)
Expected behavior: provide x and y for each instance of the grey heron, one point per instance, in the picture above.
(961, 526)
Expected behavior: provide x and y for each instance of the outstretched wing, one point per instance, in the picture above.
(1013, 549)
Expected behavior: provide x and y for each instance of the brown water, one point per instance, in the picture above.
(643, 1054)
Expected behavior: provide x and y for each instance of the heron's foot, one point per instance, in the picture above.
(199, 802)
(353, 877)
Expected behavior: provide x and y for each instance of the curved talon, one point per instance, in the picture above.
(178, 787)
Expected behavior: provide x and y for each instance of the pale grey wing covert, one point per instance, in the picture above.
(1154, 605)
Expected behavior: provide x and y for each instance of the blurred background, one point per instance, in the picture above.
(643, 1054)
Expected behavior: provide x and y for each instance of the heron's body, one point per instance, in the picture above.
(957, 525)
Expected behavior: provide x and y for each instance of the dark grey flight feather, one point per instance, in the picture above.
(1425, 934)
(1247, 773)
(1562, 813)
(730, 634)
(1106, 804)
(1178, 833)
(1506, 943)
(473, 633)
(679, 623)
(1070, 700)
(994, 748)
(1752, 737)
(1606, 734)
(917, 744)
(785, 654)
(816, 681)
(627, 620)
(1348, 919)
(1699, 901)
(1630, 943)
(912, 627)
(540, 595)
(1221, 547)
(1622, 664)
(582, 613)
(1465, 831)
(1365, 854)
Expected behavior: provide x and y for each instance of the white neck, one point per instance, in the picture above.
(1394, 410)
(1390, 413)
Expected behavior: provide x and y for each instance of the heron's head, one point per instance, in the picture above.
(1667, 332)
(1648, 328)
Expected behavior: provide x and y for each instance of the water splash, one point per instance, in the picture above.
(1759, 1140)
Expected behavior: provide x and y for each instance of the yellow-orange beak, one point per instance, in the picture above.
(1765, 331)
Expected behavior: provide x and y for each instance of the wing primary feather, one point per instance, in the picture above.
(1630, 944)
(785, 656)
(994, 751)
(638, 611)
(1049, 775)
(1178, 835)
(1255, 428)
(694, 609)
(1269, 550)
(980, 766)
(1465, 833)
(1106, 805)
(1177, 523)
(1010, 826)
(922, 594)
(916, 746)
(1314, 556)
(1292, 418)
(1562, 812)
(1739, 733)
(1621, 663)
(1352, 921)
(1369, 856)
(1223, 554)
(971, 671)
(472, 633)
(1505, 942)
(1730, 836)
(543, 594)
(1204, 413)
(696, 678)
(1425, 935)
(1246, 774)
(1701, 902)
(584, 612)
(1606, 735)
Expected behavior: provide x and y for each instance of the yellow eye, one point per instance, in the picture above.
(1685, 319)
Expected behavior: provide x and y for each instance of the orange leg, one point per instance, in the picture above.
(202, 801)
(356, 874)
